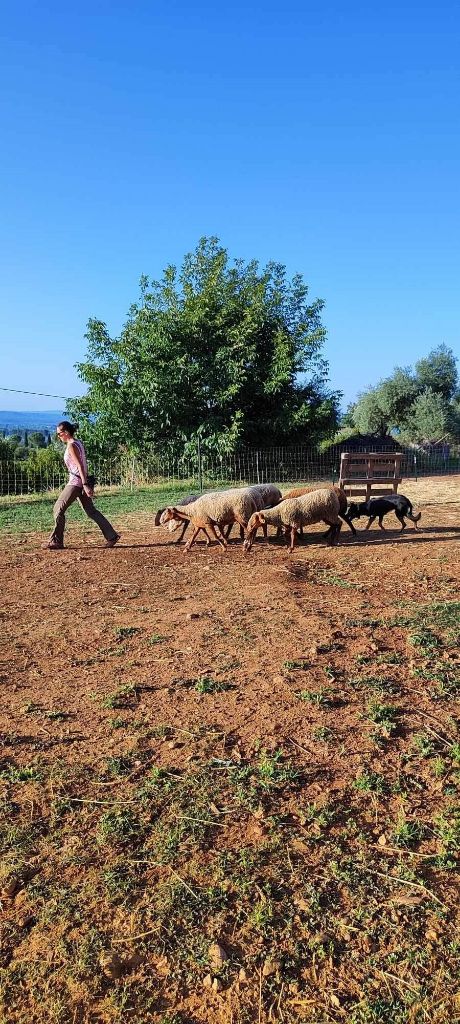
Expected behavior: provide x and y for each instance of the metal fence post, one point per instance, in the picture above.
(200, 467)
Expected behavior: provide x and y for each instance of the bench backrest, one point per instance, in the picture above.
(366, 472)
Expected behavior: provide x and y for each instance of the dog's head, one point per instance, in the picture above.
(353, 510)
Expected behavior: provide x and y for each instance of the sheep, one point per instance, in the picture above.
(214, 510)
(265, 496)
(296, 492)
(291, 513)
(174, 524)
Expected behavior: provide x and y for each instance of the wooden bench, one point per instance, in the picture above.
(370, 472)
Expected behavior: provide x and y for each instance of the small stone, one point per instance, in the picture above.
(207, 981)
(242, 976)
(269, 968)
(217, 955)
(111, 965)
(10, 887)
(382, 840)
(192, 615)
(431, 934)
(216, 985)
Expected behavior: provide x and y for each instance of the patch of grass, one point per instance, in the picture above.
(121, 698)
(407, 833)
(379, 683)
(118, 723)
(422, 744)
(56, 716)
(370, 782)
(323, 733)
(365, 621)
(124, 632)
(121, 765)
(274, 770)
(15, 773)
(383, 715)
(321, 697)
(292, 666)
(156, 638)
(338, 581)
(205, 684)
(425, 639)
(117, 827)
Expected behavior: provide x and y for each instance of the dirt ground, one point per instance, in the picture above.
(161, 658)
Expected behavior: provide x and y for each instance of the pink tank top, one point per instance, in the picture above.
(74, 472)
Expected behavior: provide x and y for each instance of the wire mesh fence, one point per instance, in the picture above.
(290, 464)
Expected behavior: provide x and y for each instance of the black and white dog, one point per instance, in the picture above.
(380, 507)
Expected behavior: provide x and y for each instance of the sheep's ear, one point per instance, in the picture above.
(261, 518)
(171, 512)
(158, 515)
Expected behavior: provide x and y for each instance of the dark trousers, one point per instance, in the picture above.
(66, 498)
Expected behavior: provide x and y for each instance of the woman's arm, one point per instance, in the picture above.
(76, 455)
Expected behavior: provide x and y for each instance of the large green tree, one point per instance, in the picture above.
(218, 349)
(419, 404)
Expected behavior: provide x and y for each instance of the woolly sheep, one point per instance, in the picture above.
(213, 511)
(264, 495)
(297, 492)
(291, 513)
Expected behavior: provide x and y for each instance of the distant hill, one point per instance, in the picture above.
(14, 422)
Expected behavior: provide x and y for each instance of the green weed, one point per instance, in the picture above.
(320, 697)
(205, 684)
(370, 782)
(406, 833)
(383, 715)
(124, 632)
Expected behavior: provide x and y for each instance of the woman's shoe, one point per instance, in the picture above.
(53, 545)
(111, 543)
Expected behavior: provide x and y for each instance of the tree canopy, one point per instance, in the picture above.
(420, 404)
(217, 349)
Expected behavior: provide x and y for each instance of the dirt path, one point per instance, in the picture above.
(145, 654)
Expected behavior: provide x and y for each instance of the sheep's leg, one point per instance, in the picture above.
(333, 532)
(220, 539)
(293, 532)
(189, 543)
(220, 532)
(242, 525)
(186, 522)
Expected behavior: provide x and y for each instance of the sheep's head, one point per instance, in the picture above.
(171, 524)
(257, 519)
(168, 514)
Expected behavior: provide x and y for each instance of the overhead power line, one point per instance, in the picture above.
(41, 394)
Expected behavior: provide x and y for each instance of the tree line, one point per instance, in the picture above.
(228, 354)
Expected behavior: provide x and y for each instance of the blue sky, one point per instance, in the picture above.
(323, 135)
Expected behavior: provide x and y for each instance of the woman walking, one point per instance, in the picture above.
(77, 489)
